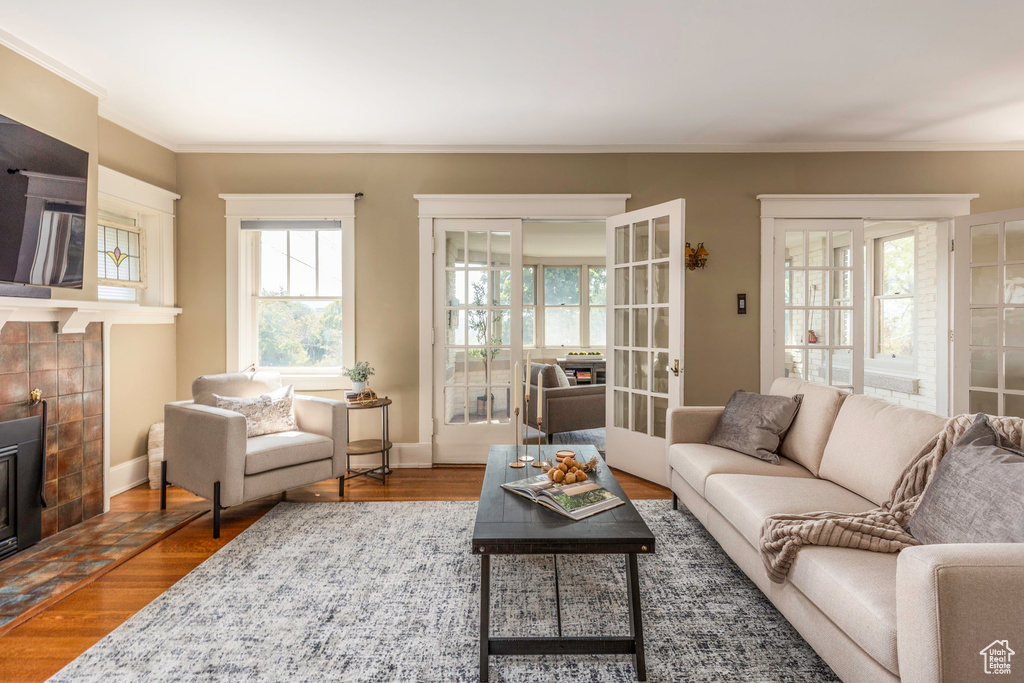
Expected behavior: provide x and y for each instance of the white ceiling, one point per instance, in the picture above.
(780, 74)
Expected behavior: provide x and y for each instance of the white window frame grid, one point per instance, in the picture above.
(242, 265)
(874, 360)
(255, 235)
(540, 342)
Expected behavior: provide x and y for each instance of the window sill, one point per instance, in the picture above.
(311, 382)
(892, 381)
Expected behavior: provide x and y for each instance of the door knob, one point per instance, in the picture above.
(675, 368)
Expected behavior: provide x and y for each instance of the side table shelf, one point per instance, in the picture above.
(382, 445)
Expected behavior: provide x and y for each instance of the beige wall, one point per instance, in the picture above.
(142, 373)
(128, 153)
(142, 357)
(722, 348)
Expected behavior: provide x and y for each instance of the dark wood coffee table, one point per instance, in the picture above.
(507, 524)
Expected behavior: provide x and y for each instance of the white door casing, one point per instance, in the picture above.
(645, 335)
(988, 313)
(478, 272)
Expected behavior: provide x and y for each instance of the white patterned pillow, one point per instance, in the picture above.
(265, 414)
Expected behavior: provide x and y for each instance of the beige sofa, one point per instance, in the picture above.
(206, 450)
(924, 614)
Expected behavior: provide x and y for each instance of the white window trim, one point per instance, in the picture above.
(154, 208)
(904, 366)
(935, 207)
(240, 266)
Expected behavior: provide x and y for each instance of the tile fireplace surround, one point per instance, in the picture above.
(68, 368)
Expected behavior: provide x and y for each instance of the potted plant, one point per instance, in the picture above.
(359, 374)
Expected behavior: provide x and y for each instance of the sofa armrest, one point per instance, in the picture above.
(326, 417)
(692, 424)
(203, 445)
(952, 602)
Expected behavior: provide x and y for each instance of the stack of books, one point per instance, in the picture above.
(575, 501)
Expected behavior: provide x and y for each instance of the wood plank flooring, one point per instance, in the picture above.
(43, 645)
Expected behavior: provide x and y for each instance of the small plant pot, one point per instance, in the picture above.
(358, 386)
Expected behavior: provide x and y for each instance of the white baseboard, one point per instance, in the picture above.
(128, 475)
(402, 455)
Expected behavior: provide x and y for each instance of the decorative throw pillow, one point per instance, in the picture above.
(563, 381)
(753, 424)
(265, 414)
(975, 494)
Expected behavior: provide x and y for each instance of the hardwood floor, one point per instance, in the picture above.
(43, 645)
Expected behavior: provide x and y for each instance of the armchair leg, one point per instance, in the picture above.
(547, 438)
(675, 502)
(163, 484)
(341, 486)
(216, 509)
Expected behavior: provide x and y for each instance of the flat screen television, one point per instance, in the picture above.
(43, 189)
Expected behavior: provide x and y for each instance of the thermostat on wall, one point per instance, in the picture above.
(741, 304)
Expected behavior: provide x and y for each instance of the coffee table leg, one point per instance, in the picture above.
(636, 622)
(485, 613)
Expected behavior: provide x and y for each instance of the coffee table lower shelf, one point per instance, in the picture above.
(633, 644)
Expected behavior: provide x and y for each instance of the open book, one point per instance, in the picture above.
(576, 501)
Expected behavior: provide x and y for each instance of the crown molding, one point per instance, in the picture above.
(715, 148)
(51, 64)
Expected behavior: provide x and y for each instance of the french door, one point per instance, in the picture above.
(478, 314)
(645, 335)
(988, 313)
(819, 301)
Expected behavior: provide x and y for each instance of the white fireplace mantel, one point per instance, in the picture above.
(72, 315)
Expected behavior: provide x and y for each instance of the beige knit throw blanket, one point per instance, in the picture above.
(881, 530)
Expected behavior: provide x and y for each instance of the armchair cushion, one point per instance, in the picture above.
(284, 449)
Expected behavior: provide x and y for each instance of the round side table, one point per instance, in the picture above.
(370, 446)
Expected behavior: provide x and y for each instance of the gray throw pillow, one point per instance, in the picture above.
(754, 424)
(975, 495)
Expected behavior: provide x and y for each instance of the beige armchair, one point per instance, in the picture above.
(207, 453)
(566, 408)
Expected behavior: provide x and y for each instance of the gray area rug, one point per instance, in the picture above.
(390, 592)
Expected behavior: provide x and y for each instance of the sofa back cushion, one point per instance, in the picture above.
(805, 441)
(542, 374)
(872, 442)
(234, 384)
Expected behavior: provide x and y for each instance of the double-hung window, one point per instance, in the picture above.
(291, 286)
(574, 313)
(892, 326)
(298, 321)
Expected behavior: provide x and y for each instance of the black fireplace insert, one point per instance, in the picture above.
(21, 478)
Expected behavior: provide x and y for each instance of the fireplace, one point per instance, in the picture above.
(21, 479)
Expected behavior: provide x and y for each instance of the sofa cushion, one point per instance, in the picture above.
(754, 424)
(284, 449)
(856, 589)
(974, 496)
(872, 442)
(746, 500)
(264, 414)
(695, 462)
(805, 441)
(240, 384)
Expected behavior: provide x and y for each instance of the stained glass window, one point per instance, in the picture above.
(121, 254)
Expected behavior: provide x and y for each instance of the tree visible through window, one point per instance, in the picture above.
(299, 305)
(894, 295)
